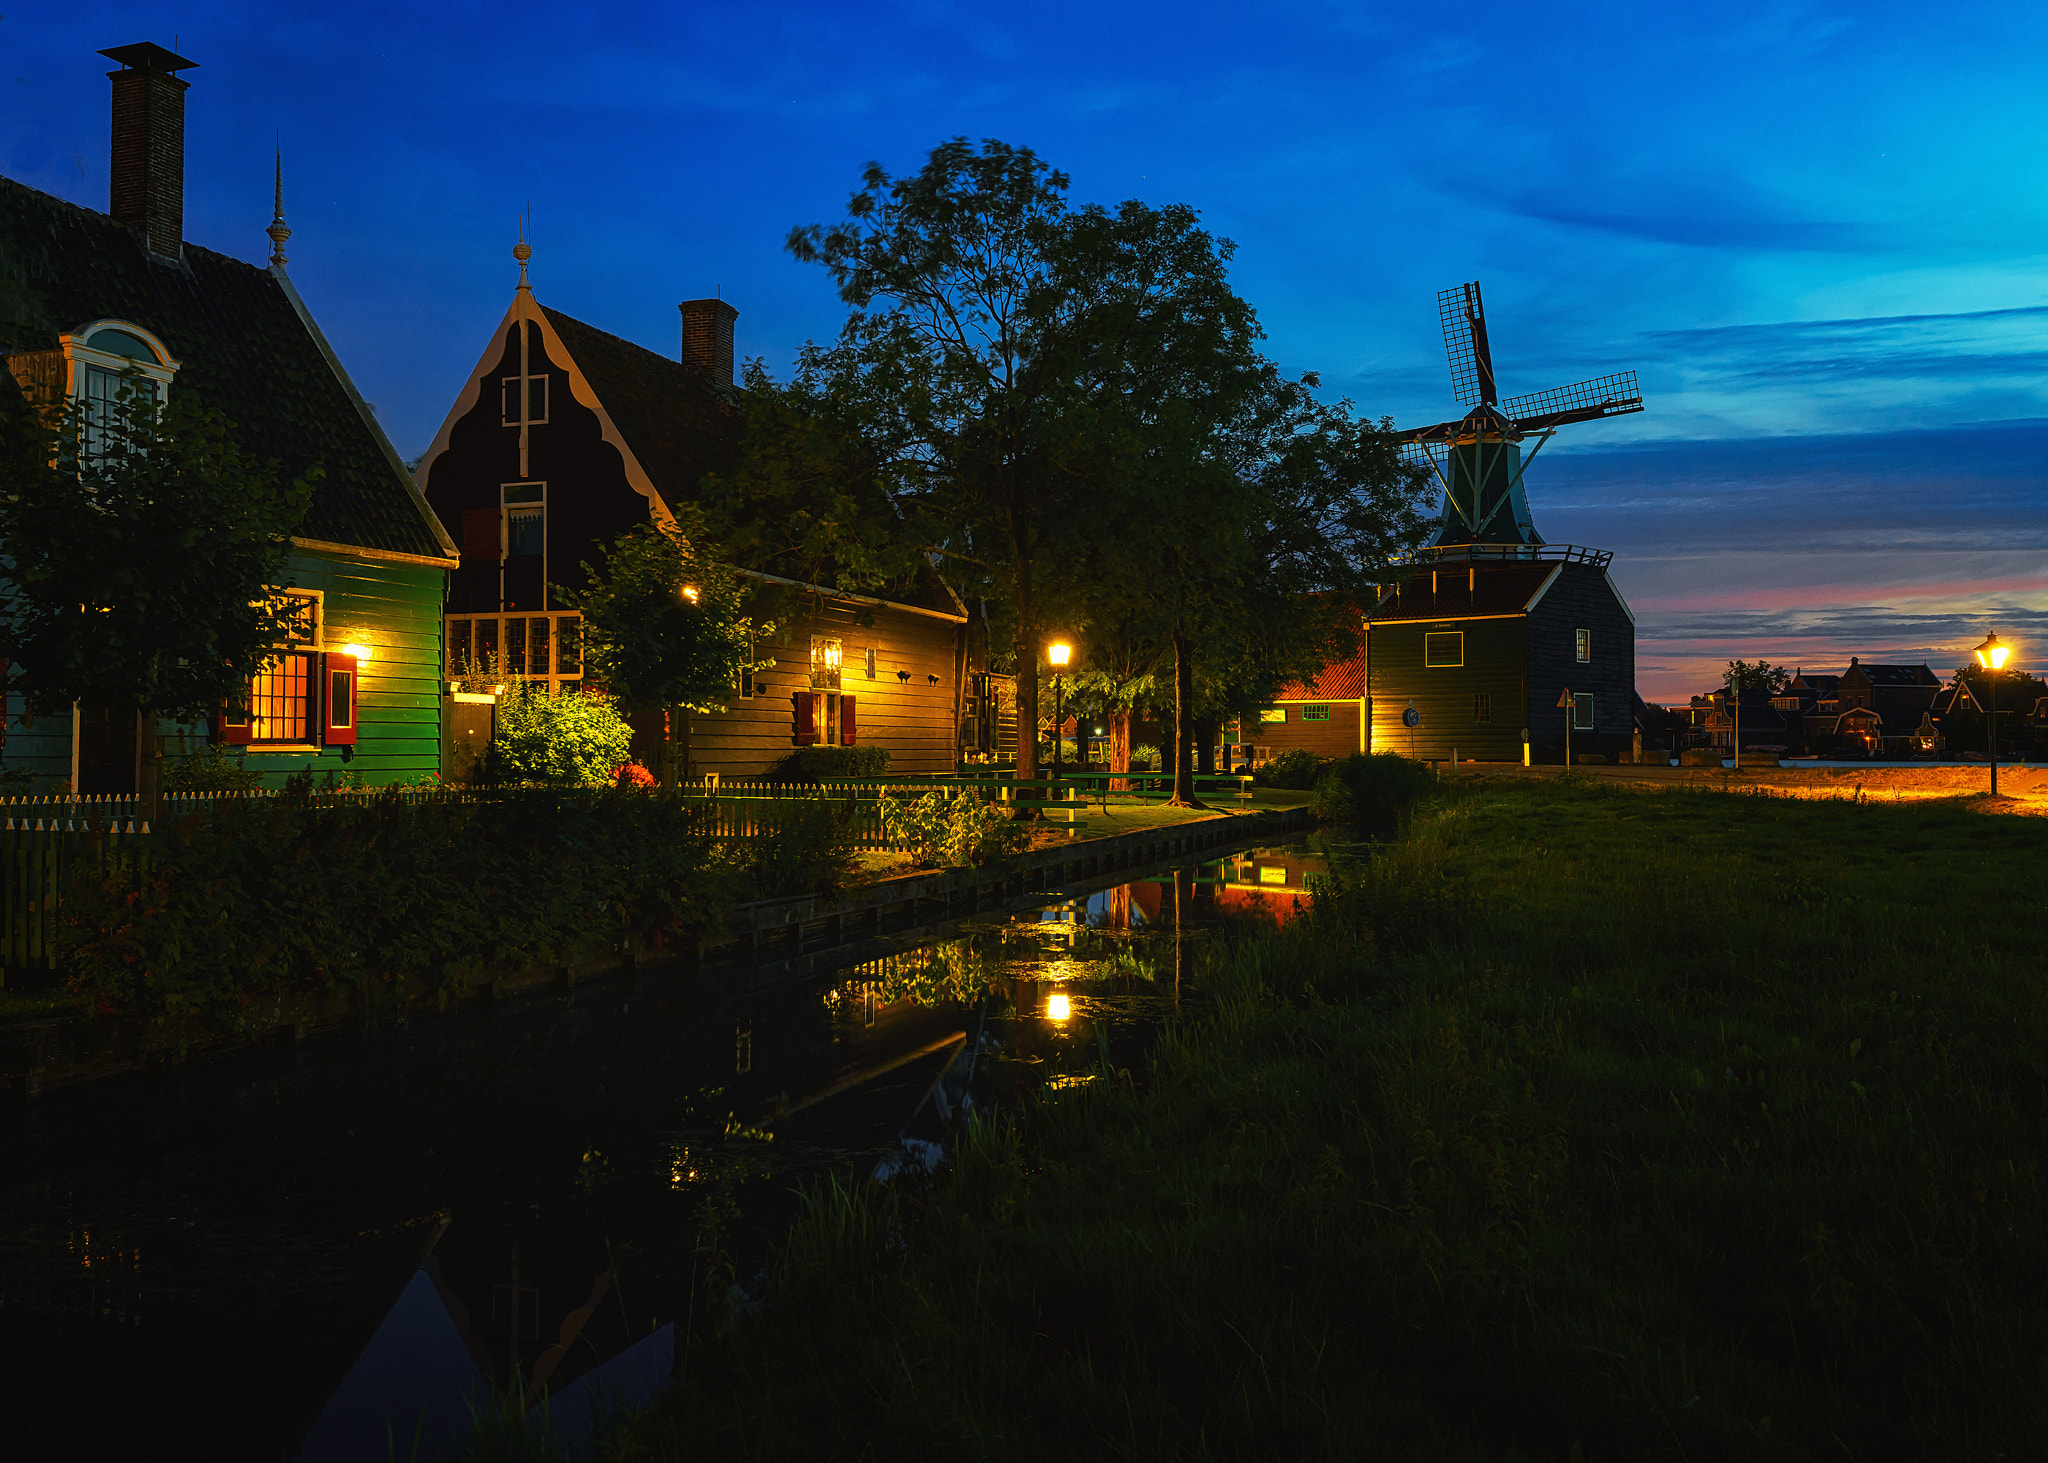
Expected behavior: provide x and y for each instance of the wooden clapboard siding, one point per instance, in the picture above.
(395, 609)
(1494, 650)
(1337, 737)
(913, 720)
(1582, 598)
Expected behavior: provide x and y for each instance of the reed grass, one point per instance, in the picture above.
(1585, 1123)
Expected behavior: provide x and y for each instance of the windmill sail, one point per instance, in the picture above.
(1464, 322)
(1603, 396)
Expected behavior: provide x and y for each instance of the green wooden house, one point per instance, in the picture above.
(89, 295)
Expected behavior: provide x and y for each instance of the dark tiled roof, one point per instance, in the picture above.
(678, 423)
(1502, 589)
(241, 346)
(1899, 675)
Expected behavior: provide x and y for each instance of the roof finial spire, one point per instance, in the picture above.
(279, 230)
(523, 251)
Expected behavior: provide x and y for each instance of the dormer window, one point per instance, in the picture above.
(100, 359)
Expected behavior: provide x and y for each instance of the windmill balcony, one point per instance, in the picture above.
(1504, 553)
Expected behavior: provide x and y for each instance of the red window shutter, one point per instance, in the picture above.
(806, 718)
(480, 533)
(846, 721)
(338, 699)
(232, 727)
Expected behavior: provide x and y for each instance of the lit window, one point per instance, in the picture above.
(1584, 645)
(1582, 711)
(1273, 715)
(1319, 711)
(279, 701)
(1482, 707)
(824, 663)
(1442, 648)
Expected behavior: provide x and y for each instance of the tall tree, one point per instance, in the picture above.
(144, 550)
(664, 622)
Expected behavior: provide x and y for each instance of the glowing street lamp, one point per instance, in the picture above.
(1058, 653)
(1991, 655)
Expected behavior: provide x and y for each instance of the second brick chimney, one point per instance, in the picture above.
(147, 186)
(707, 338)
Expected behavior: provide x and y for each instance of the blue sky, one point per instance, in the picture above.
(1819, 232)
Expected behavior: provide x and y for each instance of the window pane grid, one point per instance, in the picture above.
(278, 701)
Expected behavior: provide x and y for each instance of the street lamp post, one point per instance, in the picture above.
(1058, 653)
(1991, 655)
(1571, 709)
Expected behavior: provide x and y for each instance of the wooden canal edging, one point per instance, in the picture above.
(789, 939)
(767, 942)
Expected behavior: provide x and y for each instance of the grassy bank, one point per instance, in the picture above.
(1587, 1123)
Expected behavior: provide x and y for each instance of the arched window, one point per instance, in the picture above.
(100, 360)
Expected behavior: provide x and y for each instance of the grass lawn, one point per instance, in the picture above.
(1586, 1123)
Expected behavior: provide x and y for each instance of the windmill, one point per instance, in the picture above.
(1479, 458)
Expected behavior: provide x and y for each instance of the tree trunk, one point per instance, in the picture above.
(1183, 701)
(1206, 732)
(1027, 678)
(1120, 746)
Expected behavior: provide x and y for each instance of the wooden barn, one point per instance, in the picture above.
(1471, 649)
(102, 294)
(566, 436)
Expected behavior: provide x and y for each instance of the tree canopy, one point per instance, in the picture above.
(144, 555)
(664, 623)
(1066, 408)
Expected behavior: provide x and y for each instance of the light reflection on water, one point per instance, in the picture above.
(287, 1257)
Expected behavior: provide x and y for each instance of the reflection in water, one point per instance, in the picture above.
(306, 1254)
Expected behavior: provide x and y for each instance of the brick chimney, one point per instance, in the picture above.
(707, 338)
(147, 188)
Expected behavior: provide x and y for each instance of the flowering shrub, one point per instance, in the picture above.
(574, 739)
(633, 775)
(952, 831)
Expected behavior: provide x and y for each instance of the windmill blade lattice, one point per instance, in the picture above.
(1603, 396)
(1464, 321)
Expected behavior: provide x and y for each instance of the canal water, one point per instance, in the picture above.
(340, 1252)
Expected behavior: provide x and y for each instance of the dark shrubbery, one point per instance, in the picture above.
(811, 853)
(1296, 770)
(401, 899)
(814, 764)
(1371, 785)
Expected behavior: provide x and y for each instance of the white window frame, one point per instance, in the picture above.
(1582, 646)
(1582, 711)
(547, 400)
(82, 359)
(1443, 665)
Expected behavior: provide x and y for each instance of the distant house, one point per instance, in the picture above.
(562, 439)
(103, 292)
(1328, 714)
(1876, 710)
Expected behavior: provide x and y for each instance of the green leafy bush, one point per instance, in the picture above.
(813, 764)
(213, 768)
(952, 830)
(809, 851)
(1296, 770)
(575, 739)
(1368, 785)
(399, 899)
